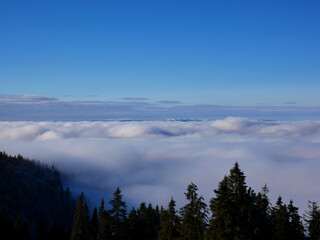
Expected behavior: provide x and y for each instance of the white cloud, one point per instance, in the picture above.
(27, 98)
(154, 160)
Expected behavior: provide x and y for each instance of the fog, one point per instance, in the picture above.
(154, 160)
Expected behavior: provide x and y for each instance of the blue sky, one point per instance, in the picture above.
(195, 52)
(74, 61)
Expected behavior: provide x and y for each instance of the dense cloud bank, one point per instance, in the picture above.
(154, 160)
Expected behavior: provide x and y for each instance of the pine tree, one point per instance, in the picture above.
(296, 229)
(152, 218)
(262, 225)
(133, 225)
(25, 230)
(312, 219)
(101, 210)
(94, 225)
(221, 221)
(280, 220)
(144, 223)
(194, 215)
(104, 218)
(232, 209)
(118, 214)
(58, 231)
(169, 223)
(6, 225)
(242, 199)
(81, 223)
(42, 231)
(17, 228)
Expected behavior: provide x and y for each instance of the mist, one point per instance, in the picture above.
(153, 160)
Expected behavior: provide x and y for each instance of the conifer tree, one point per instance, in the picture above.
(169, 223)
(42, 231)
(312, 219)
(262, 225)
(58, 231)
(6, 225)
(25, 230)
(94, 225)
(233, 208)
(194, 215)
(118, 214)
(133, 225)
(280, 220)
(221, 221)
(296, 229)
(101, 209)
(17, 228)
(80, 230)
(152, 218)
(104, 218)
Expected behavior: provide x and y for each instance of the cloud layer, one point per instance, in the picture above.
(43, 108)
(154, 160)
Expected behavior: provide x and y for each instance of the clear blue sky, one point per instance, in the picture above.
(208, 52)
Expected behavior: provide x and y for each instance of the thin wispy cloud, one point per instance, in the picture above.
(27, 98)
(169, 102)
(42, 108)
(291, 103)
(134, 99)
(154, 160)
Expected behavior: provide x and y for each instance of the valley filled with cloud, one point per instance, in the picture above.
(154, 160)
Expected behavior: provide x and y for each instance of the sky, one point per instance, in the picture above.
(195, 52)
(151, 95)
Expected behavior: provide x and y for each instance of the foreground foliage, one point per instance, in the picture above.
(36, 206)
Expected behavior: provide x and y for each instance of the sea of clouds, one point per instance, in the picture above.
(154, 160)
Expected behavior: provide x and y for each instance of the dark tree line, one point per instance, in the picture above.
(237, 213)
(37, 206)
(33, 197)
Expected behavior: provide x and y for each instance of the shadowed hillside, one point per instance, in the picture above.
(34, 193)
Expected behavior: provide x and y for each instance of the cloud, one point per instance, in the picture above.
(169, 102)
(33, 98)
(134, 98)
(42, 108)
(291, 103)
(154, 160)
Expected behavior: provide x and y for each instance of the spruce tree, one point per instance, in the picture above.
(145, 222)
(118, 214)
(233, 209)
(42, 231)
(194, 215)
(104, 218)
(94, 225)
(17, 228)
(280, 221)
(221, 221)
(133, 225)
(25, 230)
(262, 225)
(312, 219)
(101, 210)
(80, 230)
(296, 229)
(169, 223)
(6, 225)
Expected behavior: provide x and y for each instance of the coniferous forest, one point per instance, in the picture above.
(36, 205)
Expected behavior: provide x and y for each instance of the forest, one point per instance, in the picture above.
(36, 205)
